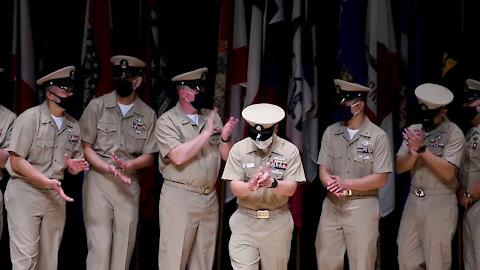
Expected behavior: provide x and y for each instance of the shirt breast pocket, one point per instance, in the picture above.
(335, 160)
(43, 149)
(136, 140)
(105, 133)
(363, 164)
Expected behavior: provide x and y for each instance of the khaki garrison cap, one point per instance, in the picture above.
(433, 95)
(63, 76)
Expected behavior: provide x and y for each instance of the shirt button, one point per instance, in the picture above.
(348, 158)
(348, 171)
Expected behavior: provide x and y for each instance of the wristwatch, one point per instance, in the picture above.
(421, 149)
(274, 183)
(468, 195)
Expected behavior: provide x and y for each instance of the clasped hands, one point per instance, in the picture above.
(414, 139)
(261, 179)
(338, 186)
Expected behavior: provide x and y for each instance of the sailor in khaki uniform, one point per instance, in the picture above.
(45, 141)
(263, 171)
(117, 139)
(469, 192)
(355, 160)
(6, 124)
(432, 152)
(191, 141)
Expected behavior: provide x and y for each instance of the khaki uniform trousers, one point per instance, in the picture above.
(347, 224)
(260, 242)
(471, 238)
(110, 209)
(36, 218)
(188, 228)
(426, 231)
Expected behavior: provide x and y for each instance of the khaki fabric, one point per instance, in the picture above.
(174, 128)
(111, 216)
(429, 223)
(6, 124)
(262, 242)
(188, 229)
(469, 175)
(188, 219)
(446, 141)
(470, 169)
(351, 223)
(245, 159)
(368, 152)
(348, 225)
(471, 237)
(36, 214)
(426, 231)
(111, 206)
(37, 139)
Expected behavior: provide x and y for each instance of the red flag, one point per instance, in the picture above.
(97, 50)
(23, 71)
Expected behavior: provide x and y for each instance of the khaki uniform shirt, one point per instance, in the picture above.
(36, 138)
(107, 130)
(6, 124)
(174, 128)
(244, 161)
(446, 141)
(368, 152)
(470, 170)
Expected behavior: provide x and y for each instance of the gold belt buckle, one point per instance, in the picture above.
(263, 214)
(207, 191)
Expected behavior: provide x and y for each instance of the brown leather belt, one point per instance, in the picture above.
(262, 213)
(199, 190)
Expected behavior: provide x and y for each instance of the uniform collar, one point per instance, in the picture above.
(202, 116)
(442, 128)
(111, 102)
(46, 117)
(365, 130)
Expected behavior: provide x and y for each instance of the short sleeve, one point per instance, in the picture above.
(166, 135)
(23, 133)
(88, 122)
(233, 168)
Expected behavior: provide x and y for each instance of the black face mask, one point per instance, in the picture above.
(199, 100)
(344, 112)
(469, 112)
(427, 117)
(124, 88)
(65, 102)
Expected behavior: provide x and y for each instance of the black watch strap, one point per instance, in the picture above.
(274, 183)
(422, 149)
